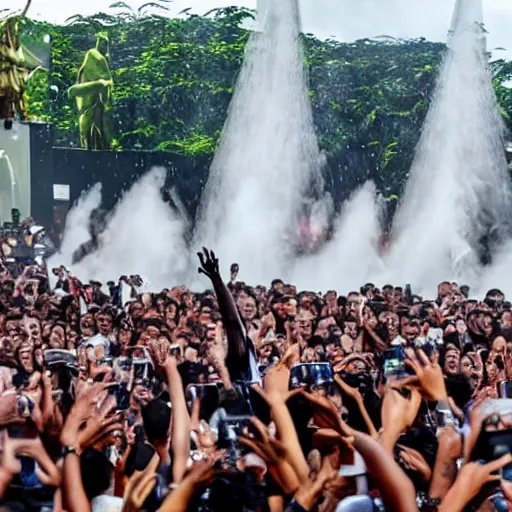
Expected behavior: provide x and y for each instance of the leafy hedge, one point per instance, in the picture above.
(174, 79)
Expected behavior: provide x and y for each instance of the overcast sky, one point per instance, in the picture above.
(343, 19)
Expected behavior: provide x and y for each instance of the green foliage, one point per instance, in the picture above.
(174, 79)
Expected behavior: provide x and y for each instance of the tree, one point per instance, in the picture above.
(174, 80)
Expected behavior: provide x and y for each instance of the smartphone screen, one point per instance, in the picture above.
(505, 389)
(143, 369)
(311, 374)
(122, 395)
(394, 366)
(208, 395)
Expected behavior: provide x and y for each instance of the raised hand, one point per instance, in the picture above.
(273, 452)
(159, 353)
(326, 416)
(201, 431)
(470, 480)
(276, 385)
(413, 460)
(140, 486)
(91, 410)
(9, 462)
(330, 443)
(100, 425)
(204, 472)
(209, 263)
(216, 352)
(429, 377)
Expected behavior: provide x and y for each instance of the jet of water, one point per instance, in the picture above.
(267, 171)
(458, 196)
(144, 236)
(76, 230)
(352, 256)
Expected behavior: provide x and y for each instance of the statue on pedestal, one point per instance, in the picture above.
(92, 93)
(17, 65)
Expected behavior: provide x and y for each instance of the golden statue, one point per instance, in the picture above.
(92, 94)
(17, 65)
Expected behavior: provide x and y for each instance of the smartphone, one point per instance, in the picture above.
(361, 381)
(262, 368)
(143, 369)
(311, 374)
(142, 364)
(493, 444)
(122, 395)
(209, 396)
(230, 428)
(106, 361)
(393, 364)
(427, 349)
(505, 389)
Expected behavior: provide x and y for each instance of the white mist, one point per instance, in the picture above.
(458, 188)
(144, 236)
(351, 257)
(268, 161)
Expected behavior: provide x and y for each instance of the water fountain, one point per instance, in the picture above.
(76, 230)
(351, 257)
(267, 169)
(458, 197)
(133, 242)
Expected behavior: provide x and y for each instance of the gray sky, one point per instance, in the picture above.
(342, 19)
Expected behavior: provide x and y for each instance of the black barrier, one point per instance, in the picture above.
(80, 169)
(118, 171)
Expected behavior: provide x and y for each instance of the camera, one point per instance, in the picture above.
(361, 381)
(175, 350)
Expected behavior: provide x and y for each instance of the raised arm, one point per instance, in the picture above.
(396, 489)
(180, 420)
(235, 330)
(180, 423)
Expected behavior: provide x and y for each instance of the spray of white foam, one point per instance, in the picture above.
(267, 169)
(144, 236)
(497, 275)
(352, 256)
(76, 230)
(458, 189)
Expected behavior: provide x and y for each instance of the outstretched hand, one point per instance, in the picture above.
(140, 485)
(209, 263)
(274, 453)
(428, 378)
(90, 418)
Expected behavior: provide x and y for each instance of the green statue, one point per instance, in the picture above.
(92, 94)
(17, 65)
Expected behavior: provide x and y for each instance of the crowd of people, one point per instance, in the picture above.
(252, 399)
